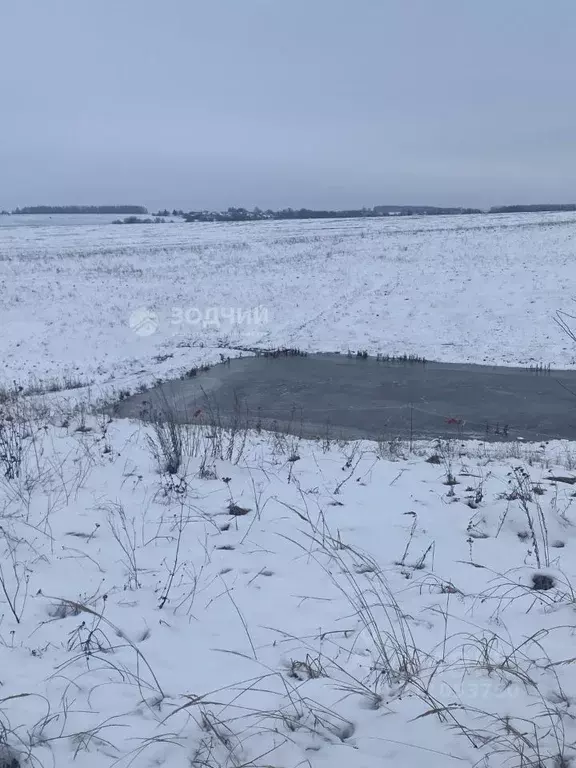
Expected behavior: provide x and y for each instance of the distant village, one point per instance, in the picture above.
(257, 214)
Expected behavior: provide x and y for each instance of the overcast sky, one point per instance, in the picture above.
(318, 103)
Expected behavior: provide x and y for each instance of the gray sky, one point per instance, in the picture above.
(319, 103)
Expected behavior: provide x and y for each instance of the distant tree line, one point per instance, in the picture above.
(165, 213)
(138, 220)
(256, 214)
(539, 208)
(243, 214)
(55, 209)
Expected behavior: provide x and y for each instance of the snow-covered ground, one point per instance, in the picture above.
(476, 289)
(278, 603)
(184, 596)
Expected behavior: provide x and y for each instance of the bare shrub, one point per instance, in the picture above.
(13, 433)
(169, 442)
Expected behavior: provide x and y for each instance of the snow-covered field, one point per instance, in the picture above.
(186, 596)
(277, 603)
(476, 289)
